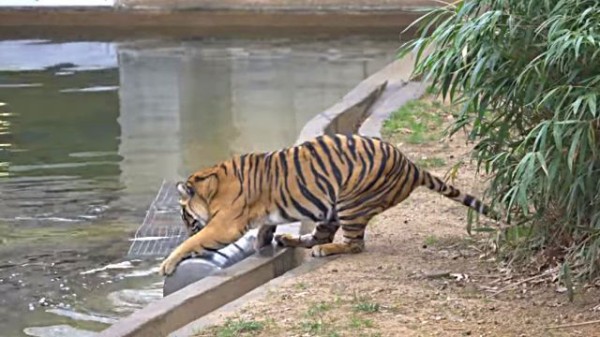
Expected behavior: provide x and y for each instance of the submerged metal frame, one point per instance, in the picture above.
(161, 231)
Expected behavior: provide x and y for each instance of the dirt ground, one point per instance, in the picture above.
(421, 275)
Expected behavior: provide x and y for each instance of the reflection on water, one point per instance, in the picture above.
(88, 132)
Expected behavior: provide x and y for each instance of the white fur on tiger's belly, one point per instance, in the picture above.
(274, 218)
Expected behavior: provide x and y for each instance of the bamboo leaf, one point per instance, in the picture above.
(573, 149)
(577, 103)
(591, 101)
(557, 134)
(542, 162)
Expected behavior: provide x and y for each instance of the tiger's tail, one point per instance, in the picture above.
(438, 185)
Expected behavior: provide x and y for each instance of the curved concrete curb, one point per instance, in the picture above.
(391, 99)
(365, 107)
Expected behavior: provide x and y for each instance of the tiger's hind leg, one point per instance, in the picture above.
(324, 232)
(353, 241)
(264, 237)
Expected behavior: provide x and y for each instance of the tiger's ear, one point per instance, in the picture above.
(210, 184)
(184, 190)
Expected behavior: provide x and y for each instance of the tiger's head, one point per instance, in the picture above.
(197, 194)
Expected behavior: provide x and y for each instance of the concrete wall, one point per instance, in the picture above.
(305, 5)
(200, 18)
(224, 4)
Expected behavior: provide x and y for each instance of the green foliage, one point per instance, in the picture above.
(357, 322)
(527, 75)
(237, 327)
(431, 162)
(367, 307)
(364, 304)
(430, 240)
(318, 308)
(314, 327)
(301, 285)
(415, 120)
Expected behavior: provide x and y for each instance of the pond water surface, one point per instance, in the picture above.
(89, 130)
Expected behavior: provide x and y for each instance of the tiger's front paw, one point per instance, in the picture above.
(321, 251)
(168, 266)
(287, 240)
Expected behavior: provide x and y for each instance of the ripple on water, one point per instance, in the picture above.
(57, 331)
(78, 316)
(120, 265)
(91, 89)
(129, 300)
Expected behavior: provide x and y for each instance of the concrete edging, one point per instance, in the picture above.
(201, 297)
(102, 24)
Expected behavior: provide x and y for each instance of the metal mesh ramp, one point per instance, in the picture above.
(162, 229)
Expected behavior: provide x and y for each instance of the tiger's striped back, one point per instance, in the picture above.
(369, 176)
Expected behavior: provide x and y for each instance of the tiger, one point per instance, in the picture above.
(335, 181)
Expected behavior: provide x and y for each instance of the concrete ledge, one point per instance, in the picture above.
(115, 24)
(389, 103)
(346, 115)
(353, 117)
(277, 5)
(400, 90)
(199, 298)
(364, 108)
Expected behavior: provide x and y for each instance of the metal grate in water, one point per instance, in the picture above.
(162, 229)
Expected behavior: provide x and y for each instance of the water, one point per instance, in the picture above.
(89, 130)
